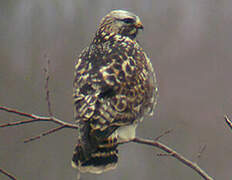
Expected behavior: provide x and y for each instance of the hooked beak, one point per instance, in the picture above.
(139, 25)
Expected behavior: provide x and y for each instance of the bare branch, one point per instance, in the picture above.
(170, 152)
(34, 118)
(50, 131)
(10, 176)
(228, 121)
(163, 134)
(14, 111)
(201, 150)
(17, 123)
(174, 154)
(47, 77)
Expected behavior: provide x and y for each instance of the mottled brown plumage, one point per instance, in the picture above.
(114, 89)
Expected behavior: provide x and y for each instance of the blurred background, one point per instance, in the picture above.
(189, 43)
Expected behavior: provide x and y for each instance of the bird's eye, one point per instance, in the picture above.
(128, 20)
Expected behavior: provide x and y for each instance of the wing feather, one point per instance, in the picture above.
(114, 85)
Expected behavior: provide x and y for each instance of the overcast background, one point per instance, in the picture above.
(189, 43)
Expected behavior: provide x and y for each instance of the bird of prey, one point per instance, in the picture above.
(114, 89)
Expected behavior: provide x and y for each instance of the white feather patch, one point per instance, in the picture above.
(125, 133)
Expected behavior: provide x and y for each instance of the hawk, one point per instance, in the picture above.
(114, 89)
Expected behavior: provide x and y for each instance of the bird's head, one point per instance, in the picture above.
(120, 22)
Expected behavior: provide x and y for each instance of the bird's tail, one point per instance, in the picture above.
(104, 158)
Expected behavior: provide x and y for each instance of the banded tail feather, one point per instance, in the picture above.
(103, 159)
(105, 156)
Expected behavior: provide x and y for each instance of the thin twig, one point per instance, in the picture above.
(10, 176)
(201, 150)
(34, 118)
(15, 111)
(17, 123)
(50, 131)
(163, 134)
(47, 77)
(228, 121)
(174, 154)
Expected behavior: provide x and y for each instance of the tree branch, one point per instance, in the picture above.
(50, 131)
(47, 77)
(201, 150)
(34, 118)
(163, 134)
(174, 154)
(170, 152)
(10, 176)
(228, 121)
